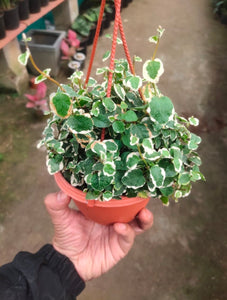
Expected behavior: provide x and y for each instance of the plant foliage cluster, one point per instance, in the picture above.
(148, 149)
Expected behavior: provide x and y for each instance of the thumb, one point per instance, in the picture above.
(57, 206)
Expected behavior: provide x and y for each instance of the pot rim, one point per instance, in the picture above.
(80, 196)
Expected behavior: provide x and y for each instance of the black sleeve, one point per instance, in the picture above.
(46, 274)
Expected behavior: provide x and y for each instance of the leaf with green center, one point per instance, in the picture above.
(194, 142)
(100, 71)
(178, 194)
(107, 196)
(119, 41)
(165, 200)
(42, 77)
(134, 179)
(134, 140)
(124, 105)
(132, 160)
(109, 104)
(109, 169)
(193, 121)
(151, 186)
(161, 109)
(96, 108)
(137, 59)
(119, 91)
(111, 146)
(165, 153)
(139, 130)
(168, 166)
(184, 178)
(153, 156)
(61, 104)
(91, 82)
(153, 39)
(92, 195)
(98, 147)
(83, 100)
(55, 164)
(152, 70)
(118, 127)
(157, 176)
(196, 160)
(129, 116)
(177, 164)
(101, 121)
(23, 58)
(148, 145)
(99, 181)
(168, 191)
(56, 146)
(80, 124)
(134, 83)
(194, 176)
(106, 55)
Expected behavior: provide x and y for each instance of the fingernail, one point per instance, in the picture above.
(61, 196)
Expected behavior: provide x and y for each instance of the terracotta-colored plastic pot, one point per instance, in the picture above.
(105, 213)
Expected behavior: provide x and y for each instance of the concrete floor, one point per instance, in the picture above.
(183, 257)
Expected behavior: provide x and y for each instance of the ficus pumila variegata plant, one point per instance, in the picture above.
(148, 149)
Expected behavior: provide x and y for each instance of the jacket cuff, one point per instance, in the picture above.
(62, 265)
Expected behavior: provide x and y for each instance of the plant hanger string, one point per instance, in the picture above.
(117, 25)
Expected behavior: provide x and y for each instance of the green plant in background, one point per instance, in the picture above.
(219, 6)
(6, 4)
(148, 149)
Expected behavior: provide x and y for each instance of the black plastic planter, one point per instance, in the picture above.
(2, 27)
(44, 2)
(34, 6)
(11, 18)
(23, 9)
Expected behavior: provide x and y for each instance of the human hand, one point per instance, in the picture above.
(92, 248)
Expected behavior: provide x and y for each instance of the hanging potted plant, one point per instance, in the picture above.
(11, 15)
(113, 145)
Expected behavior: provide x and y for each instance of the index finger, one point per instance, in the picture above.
(143, 221)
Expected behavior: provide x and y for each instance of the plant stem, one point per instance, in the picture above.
(141, 155)
(45, 75)
(41, 72)
(155, 50)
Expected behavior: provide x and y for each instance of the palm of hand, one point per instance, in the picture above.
(93, 248)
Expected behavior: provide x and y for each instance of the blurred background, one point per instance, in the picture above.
(184, 255)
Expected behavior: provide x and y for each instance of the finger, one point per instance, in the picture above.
(126, 236)
(143, 221)
(57, 206)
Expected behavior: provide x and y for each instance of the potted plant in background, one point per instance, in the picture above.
(23, 8)
(11, 15)
(113, 145)
(220, 8)
(2, 26)
(38, 101)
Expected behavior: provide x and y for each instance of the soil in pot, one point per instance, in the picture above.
(11, 18)
(107, 212)
(23, 8)
(80, 57)
(73, 66)
(2, 27)
(34, 6)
